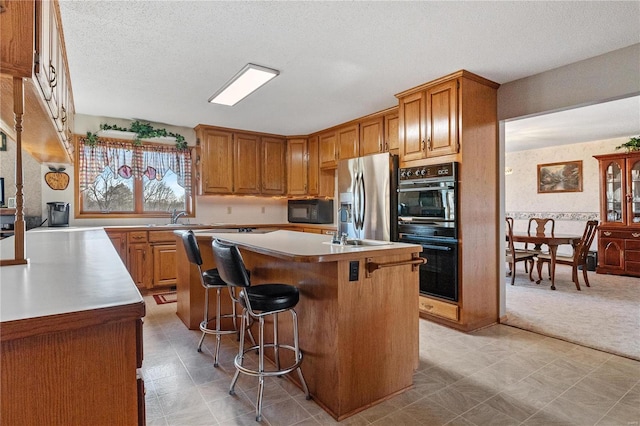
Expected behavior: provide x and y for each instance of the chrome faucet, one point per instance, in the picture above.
(175, 215)
(337, 237)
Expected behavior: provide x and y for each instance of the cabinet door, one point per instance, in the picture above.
(633, 188)
(119, 241)
(371, 136)
(246, 168)
(217, 162)
(328, 152)
(43, 48)
(137, 264)
(613, 177)
(273, 166)
(348, 142)
(391, 140)
(610, 253)
(17, 31)
(412, 127)
(297, 158)
(313, 166)
(164, 265)
(442, 119)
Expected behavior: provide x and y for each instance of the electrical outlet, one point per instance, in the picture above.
(262, 209)
(228, 210)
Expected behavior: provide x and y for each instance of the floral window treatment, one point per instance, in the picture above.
(127, 160)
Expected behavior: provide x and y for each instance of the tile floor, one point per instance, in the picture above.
(497, 376)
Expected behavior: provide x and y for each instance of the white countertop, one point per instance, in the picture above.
(302, 246)
(69, 270)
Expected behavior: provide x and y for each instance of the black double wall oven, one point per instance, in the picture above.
(427, 215)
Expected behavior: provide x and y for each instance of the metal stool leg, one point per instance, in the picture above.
(296, 344)
(206, 317)
(240, 356)
(276, 351)
(260, 369)
(218, 336)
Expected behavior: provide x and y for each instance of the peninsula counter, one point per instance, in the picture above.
(358, 310)
(71, 333)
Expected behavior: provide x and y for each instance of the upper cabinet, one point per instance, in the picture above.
(620, 189)
(391, 131)
(274, 151)
(313, 166)
(246, 164)
(33, 48)
(348, 139)
(371, 136)
(428, 122)
(328, 150)
(240, 163)
(297, 166)
(216, 162)
(430, 119)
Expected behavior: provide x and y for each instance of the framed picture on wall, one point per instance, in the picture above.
(560, 177)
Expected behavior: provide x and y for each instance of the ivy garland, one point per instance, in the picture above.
(142, 131)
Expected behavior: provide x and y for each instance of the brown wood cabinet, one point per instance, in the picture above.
(274, 151)
(444, 114)
(246, 164)
(241, 163)
(119, 241)
(33, 49)
(391, 140)
(348, 140)
(371, 136)
(429, 120)
(162, 246)
(297, 166)
(216, 162)
(619, 231)
(328, 150)
(313, 166)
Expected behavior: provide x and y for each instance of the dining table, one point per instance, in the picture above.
(550, 240)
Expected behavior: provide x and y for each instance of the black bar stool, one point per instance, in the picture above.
(210, 280)
(258, 302)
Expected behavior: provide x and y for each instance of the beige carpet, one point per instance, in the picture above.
(605, 316)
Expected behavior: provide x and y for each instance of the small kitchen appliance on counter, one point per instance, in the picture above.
(58, 213)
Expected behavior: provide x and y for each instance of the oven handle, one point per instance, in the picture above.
(432, 247)
(425, 188)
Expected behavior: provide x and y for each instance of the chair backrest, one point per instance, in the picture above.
(191, 247)
(230, 264)
(509, 232)
(582, 250)
(541, 225)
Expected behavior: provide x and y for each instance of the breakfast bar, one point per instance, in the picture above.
(357, 311)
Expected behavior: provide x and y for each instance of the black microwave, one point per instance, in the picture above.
(310, 211)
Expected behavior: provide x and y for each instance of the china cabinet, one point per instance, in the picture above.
(619, 232)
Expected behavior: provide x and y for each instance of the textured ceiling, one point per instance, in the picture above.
(161, 60)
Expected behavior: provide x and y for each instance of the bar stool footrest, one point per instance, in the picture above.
(267, 373)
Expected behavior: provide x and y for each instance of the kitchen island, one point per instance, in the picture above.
(357, 311)
(71, 332)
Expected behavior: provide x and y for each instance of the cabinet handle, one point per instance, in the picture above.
(423, 144)
(427, 307)
(386, 146)
(635, 234)
(429, 143)
(606, 233)
(53, 81)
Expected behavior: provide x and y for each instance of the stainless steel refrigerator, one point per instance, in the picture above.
(367, 191)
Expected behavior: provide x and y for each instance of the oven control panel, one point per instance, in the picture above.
(447, 170)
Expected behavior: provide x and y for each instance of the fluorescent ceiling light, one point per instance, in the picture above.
(249, 79)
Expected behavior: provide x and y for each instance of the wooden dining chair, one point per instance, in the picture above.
(539, 226)
(513, 255)
(577, 259)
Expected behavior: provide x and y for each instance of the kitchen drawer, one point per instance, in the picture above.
(137, 237)
(632, 268)
(161, 236)
(439, 308)
(632, 255)
(618, 233)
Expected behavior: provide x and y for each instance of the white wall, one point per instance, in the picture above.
(32, 186)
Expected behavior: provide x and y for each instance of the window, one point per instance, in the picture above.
(121, 179)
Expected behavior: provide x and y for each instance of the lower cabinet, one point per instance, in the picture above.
(138, 264)
(618, 252)
(164, 265)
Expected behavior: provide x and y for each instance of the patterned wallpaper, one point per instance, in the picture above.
(32, 180)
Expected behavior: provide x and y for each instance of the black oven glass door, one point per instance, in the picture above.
(430, 202)
(439, 276)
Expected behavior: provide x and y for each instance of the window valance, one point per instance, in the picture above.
(128, 160)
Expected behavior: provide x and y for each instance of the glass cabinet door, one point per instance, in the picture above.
(634, 195)
(614, 192)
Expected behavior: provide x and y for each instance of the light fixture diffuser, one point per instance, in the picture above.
(245, 82)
